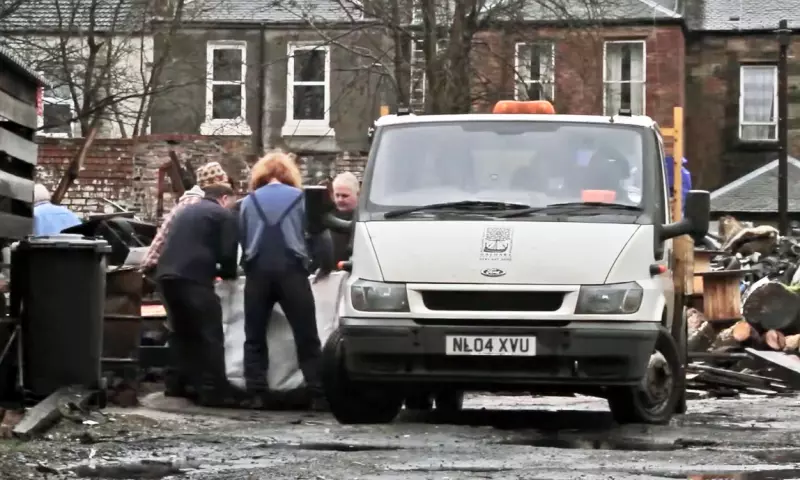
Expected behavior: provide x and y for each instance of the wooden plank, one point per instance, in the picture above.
(14, 226)
(18, 147)
(15, 187)
(47, 412)
(788, 363)
(17, 111)
(667, 132)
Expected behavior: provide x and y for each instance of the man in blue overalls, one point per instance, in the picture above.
(686, 178)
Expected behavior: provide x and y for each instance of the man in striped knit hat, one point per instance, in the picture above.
(209, 174)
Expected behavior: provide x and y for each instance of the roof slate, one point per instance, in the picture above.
(733, 15)
(757, 192)
(63, 15)
(608, 10)
(270, 11)
(10, 59)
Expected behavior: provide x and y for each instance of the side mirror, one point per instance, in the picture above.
(696, 213)
(318, 205)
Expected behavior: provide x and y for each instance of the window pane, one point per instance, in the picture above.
(309, 102)
(228, 65)
(58, 117)
(535, 91)
(758, 94)
(227, 101)
(624, 95)
(536, 62)
(625, 61)
(759, 132)
(309, 65)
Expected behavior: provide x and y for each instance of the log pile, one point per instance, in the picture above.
(769, 320)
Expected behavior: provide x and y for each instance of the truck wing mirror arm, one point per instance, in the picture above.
(336, 224)
(696, 214)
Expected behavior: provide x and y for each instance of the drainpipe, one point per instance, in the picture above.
(262, 85)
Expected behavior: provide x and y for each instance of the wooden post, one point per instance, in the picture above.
(683, 246)
(384, 110)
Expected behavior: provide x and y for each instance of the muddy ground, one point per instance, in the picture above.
(496, 438)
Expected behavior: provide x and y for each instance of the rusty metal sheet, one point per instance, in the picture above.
(17, 188)
(789, 362)
(14, 226)
(17, 111)
(18, 147)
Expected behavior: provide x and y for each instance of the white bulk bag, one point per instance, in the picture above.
(284, 372)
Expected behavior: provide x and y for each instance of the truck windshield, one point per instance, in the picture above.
(518, 162)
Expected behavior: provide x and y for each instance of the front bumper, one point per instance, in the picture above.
(586, 353)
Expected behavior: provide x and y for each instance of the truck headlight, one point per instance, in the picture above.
(616, 299)
(370, 296)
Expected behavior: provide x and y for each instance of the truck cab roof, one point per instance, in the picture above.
(633, 120)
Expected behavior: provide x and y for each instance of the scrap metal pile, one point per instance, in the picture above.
(756, 350)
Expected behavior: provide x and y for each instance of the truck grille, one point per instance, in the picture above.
(478, 301)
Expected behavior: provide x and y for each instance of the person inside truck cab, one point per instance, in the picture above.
(48, 218)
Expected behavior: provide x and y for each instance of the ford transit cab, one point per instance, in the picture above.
(511, 252)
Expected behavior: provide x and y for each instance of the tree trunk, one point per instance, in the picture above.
(775, 340)
(772, 307)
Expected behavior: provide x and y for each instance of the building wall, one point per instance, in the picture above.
(579, 66)
(128, 67)
(125, 170)
(716, 155)
(357, 83)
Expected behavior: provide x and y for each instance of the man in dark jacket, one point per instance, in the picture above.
(201, 245)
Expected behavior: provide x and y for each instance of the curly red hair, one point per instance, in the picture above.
(275, 165)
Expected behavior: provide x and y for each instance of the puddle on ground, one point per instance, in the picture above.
(782, 474)
(329, 447)
(624, 444)
(145, 469)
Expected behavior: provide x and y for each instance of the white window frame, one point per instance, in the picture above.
(742, 123)
(518, 78)
(225, 126)
(643, 82)
(45, 99)
(301, 127)
(440, 44)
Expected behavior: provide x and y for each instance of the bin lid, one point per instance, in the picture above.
(66, 241)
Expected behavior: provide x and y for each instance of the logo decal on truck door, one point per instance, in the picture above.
(496, 243)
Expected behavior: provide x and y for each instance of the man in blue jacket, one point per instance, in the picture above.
(686, 178)
(48, 218)
(201, 245)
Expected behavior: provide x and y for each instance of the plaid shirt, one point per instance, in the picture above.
(151, 259)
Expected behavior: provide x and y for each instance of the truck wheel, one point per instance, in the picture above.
(656, 398)
(451, 401)
(353, 402)
(683, 347)
(419, 401)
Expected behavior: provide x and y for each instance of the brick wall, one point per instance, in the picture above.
(716, 155)
(125, 170)
(579, 66)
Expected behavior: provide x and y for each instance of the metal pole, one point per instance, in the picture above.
(783, 134)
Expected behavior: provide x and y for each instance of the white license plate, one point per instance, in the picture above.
(491, 346)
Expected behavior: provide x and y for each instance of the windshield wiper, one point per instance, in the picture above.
(568, 207)
(464, 204)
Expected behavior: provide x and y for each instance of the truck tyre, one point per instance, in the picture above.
(449, 402)
(419, 401)
(683, 347)
(353, 402)
(655, 399)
